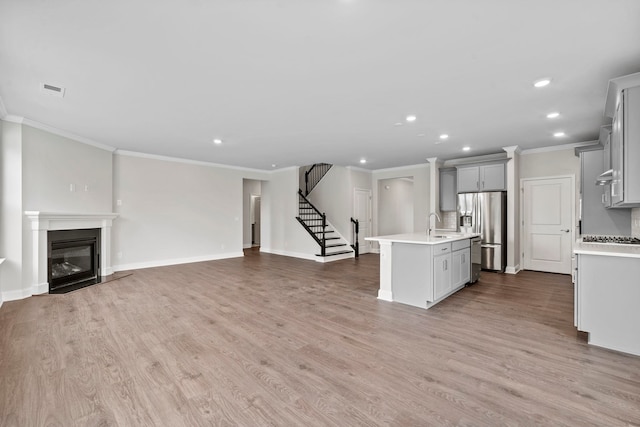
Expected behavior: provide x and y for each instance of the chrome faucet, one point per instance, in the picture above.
(429, 221)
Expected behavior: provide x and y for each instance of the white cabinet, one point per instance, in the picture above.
(489, 177)
(624, 108)
(423, 275)
(460, 263)
(606, 301)
(442, 271)
(605, 140)
(460, 267)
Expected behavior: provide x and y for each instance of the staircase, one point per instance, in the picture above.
(315, 222)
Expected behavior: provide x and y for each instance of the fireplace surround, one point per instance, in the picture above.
(43, 222)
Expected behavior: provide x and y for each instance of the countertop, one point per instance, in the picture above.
(422, 238)
(607, 249)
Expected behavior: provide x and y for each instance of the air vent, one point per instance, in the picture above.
(52, 90)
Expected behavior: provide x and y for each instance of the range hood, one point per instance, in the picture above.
(605, 177)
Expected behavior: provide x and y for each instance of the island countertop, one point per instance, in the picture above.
(423, 238)
(606, 249)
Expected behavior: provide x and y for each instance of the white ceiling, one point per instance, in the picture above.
(294, 82)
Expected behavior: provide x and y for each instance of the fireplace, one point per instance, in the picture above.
(73, 259)
(44, 222)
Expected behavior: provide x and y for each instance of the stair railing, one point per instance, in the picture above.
(313, 176)
(301, 218)
(355, 230)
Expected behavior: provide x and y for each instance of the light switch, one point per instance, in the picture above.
(118, 202)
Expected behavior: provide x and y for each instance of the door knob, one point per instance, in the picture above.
(566, 230)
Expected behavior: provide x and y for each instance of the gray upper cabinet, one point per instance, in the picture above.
(595, 218)
(448, 190)
(623, 105)
(489, 177)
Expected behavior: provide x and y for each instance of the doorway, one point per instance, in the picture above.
(251, 213)
(548, 209)
(362, 212)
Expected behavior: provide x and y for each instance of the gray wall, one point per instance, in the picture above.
(395, 206)
(173, 212)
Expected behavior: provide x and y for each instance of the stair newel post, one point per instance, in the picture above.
(357, 240)
(323, 249)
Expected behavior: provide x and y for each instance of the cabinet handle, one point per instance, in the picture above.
(445, 265)
(444, 249)
(566, 230)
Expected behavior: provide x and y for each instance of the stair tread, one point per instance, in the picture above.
(336, 253)
(336, 245)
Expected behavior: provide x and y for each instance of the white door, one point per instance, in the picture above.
(548, 207)
(362, 212)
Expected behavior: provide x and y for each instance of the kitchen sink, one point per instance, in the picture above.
(442, 237)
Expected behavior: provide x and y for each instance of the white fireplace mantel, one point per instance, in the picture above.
(41, 222)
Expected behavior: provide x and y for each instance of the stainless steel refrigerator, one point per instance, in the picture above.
(486, 213)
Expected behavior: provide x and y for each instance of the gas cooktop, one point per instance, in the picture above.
(624, 240)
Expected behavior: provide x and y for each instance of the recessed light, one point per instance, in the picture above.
(542, 82)
(411, 118)
(398, 124)
(559, 134)
(217, 141)
(553, 115)
(466, 148)
(444, 136)
(273, 165)
(363, 161)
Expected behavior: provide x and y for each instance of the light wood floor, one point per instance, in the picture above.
(271, 340)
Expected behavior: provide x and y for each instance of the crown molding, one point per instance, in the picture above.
(401, 168)
(41, 126)
(190, 162)
(557, 147)
(357, 169)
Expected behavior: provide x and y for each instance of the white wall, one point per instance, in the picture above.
(395, 206)
(334, 195)
(53, 163)
(173, 212)
(250, 187)
(39, 168)
(282, 234)
(11, 212)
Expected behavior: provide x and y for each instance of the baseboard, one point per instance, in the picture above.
(41, 288)
(385, 295)
(175, 261)
(300, 255)
(247, 246)
(375, 251)
(512, 270)
(16, 295)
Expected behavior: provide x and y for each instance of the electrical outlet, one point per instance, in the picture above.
(118, 202)
(86, 187)
(72, 187)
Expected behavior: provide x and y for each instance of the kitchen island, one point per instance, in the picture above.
(422, 270)
(607, 293)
